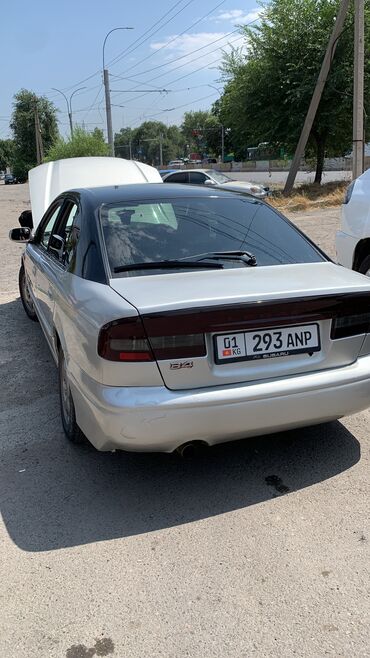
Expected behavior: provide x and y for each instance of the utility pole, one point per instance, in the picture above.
(161, 149)
(325, 68)
(130, 148)
(108, 109)
(222, 143)
(358, 91)
(38, 136)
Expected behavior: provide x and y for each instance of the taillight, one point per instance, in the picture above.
(178, 347)
(350, 325)
(126, 340)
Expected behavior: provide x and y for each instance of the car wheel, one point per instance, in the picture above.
(26, 296)
(365, 266)
(67, 408)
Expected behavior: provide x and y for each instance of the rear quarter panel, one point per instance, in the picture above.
(81, 308)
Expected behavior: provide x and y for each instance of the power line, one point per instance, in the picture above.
(177, 59)
(182, 65)
(130, 50)
(190, 27)
(93, 75)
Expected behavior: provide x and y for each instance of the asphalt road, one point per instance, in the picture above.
(257, 548)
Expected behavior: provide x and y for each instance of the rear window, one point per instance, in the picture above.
(178, 228)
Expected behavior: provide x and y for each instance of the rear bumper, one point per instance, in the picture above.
(345, 247)
(157, 419)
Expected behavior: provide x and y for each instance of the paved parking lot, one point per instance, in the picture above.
(258, 548)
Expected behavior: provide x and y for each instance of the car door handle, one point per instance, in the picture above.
(50, 294)
(34, 270)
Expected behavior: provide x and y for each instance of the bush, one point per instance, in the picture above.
(82, 144)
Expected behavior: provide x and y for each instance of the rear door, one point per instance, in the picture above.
(51, 264)
(36, 264)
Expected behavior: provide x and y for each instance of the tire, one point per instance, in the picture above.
(364, 267)
(67, 408)
(25, 296)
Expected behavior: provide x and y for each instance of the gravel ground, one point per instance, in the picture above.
(259, 548)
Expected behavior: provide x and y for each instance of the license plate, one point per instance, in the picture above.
(267, 343)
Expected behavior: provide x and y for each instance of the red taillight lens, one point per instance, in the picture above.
(124, 340)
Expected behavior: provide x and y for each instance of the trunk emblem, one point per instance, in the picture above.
(178, 365)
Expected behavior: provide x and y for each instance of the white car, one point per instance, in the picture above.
(353, 240)
(215, 179)
(184, 314)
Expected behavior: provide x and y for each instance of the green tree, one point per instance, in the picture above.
(202, 132)
(145, 142)
(81, 144)
(23, 127)
(269, 87)
(6, 153)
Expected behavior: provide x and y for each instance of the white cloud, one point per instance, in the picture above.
(237, 16)
(185, 44)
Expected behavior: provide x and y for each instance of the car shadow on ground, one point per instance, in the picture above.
(55, 495)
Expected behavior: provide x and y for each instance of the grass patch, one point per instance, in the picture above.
(310, 197)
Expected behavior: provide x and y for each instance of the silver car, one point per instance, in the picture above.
(180, 314)
(216, 179)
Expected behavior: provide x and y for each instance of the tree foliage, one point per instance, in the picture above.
(6, 153)
(269, 87)
(145, 142)
(23, 127)
(81, 144)
(202, 132)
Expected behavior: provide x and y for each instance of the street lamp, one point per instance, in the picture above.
(108, 107)
(69, 104)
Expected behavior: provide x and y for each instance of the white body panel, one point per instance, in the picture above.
(355, 221)
(198, 289)
(49, 180)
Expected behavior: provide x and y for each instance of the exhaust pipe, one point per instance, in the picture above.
(191, 449)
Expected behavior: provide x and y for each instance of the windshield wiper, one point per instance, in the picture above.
(168, 265)
(244, 256)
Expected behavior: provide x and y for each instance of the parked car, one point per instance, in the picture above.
(9, 179)
(181, 314)
(164, 172)
(216, 179)
(353, 239)
(176, 163)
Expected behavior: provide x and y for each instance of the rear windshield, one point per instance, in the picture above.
(153, 231)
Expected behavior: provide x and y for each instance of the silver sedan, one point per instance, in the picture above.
(215, 179)
(180, 314)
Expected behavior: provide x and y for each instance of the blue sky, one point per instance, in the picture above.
(48, 44)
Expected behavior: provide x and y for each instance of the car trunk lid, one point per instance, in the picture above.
(239, 304)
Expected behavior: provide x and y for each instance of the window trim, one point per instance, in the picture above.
(46, 218)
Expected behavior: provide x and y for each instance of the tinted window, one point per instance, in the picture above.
(178, 178)
(197, 178)
(69, 231)
(47, 227)
(186, 227)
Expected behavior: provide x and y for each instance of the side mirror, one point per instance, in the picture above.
(208, 182)
(23, 234)
(56, 246)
